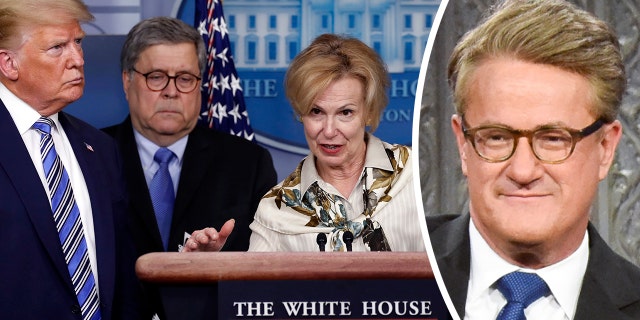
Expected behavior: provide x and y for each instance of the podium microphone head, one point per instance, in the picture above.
(321, 240)
(347, 237)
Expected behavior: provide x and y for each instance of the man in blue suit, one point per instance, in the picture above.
(41, 72)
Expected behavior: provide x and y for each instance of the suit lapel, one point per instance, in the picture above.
(607, 288)
(87, 154)
(17, 164)
(136, 182)
(197, 159)
(450, 244)
(609, 285)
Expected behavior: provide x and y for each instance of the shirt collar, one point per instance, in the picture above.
(147, 149)
(376, 157)
(563, 278)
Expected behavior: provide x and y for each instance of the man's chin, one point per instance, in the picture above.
(74, 94)
(527, 240)
(532, 258)
(168, 130)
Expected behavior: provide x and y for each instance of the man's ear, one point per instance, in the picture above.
(611, 138)
(456, 126)
(126, 82)
(8, 65)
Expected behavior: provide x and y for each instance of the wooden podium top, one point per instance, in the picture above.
(174, 267)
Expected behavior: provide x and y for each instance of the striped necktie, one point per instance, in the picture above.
(162, 194)
(520, 289)
(67, 219)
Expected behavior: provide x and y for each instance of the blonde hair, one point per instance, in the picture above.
(329, 58)
(551, 32)
(16, 16)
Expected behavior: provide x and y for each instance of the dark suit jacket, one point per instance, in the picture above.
(610, 288)
(34, 280)
(222, 177)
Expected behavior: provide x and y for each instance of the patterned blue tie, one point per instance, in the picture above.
(162, 195)
(67, 218)
(520, 289)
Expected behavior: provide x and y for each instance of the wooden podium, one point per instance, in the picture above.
(170, 267)
(296, 285)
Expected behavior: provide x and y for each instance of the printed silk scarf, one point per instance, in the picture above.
(327, 210)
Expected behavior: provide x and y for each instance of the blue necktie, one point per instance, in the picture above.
(520, 289)
(67, 218)
(162, 195)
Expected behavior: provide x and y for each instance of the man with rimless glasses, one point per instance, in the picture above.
(182, 177)
(537, 88)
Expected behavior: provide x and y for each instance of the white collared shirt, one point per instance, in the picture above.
(24, 116)
(564, 279)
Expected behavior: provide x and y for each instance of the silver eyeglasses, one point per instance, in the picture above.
(158, 80)
(550, 144)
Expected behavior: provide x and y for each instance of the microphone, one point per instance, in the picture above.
(347, 237)
(321, 240)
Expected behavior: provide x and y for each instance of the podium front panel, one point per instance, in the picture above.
(331, 299)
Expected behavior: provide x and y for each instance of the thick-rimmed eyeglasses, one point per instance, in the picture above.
(550, 144)
(158, 80)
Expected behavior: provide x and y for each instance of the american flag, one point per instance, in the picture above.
(223, 106)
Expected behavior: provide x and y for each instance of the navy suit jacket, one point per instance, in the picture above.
(222, 177)
(34, 280)
(610, 287)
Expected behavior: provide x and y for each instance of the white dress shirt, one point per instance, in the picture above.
(24, 116)
(564, 279)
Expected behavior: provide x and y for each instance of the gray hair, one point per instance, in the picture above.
(155, 31)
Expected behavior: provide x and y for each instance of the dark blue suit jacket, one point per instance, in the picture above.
(34, 280)
(610, 287)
